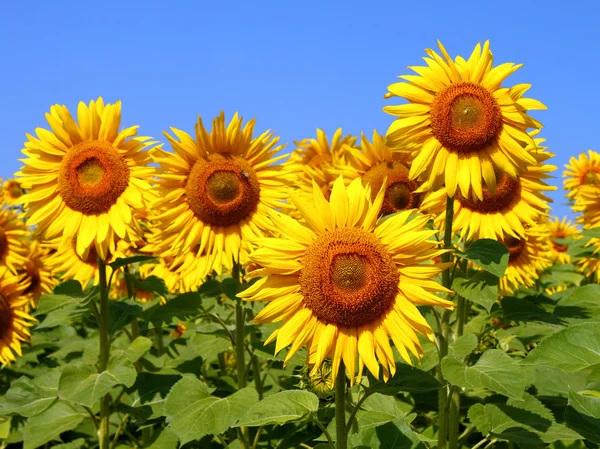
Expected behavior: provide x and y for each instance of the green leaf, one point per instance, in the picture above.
(152, 284)
(75, 444)
(5, 424)
(138, 348)
(583, 415)
(30, 397)
(525, 310)
(80, 383)
(488, 254)
(481, 288)
(192, 413)
(463, 346)
(209, 346)
(149, 393)
(527, 422)
(184, 307)
(571, 349)
(286, 406)
(396, 434)
(122, 261)
(558, 277)
(120, 313)
(48, 425)
(407, 378)
(579, 304)
(166, 439)
(68, 288)
(495, 371)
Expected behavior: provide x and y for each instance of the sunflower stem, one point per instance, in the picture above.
(103, 431)
(340, 408)
(444, 333)
(135, 327)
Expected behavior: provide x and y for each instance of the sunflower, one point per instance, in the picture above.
(84, 179)
(316, 159)
(12, 191)
(37, 273)
(179, 273)
(13, 235)
(580, 171)
(66, 264)
(517, 203)
(587, 202)
(14, 321)
(343, 283)
(560, 230)
(374, 163)
(216, 190)
(466, 128)
(528, 257)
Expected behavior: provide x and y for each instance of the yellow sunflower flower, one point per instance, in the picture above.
(315, 159)
(528, 257)
(580, 171)
(14, 321)
(12, 191)
(84, 179)
(13, 235)
(466, 128)
(37, 273)
(344, 284)
(557, 289)
(516, 204)
(216, 190)
(375, 163)
(587, 202)
(560, 230)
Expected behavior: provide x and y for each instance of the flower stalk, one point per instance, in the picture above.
(340, 408)
(103, 431)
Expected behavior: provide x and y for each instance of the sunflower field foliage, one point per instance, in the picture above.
(406, 290)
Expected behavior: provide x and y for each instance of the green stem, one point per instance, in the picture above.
(103, 431)
(356, 409)
(444, 332)
(239, 343)
(340, 408)
(135, 327)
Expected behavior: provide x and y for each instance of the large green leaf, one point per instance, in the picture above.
(286, 406)
(396, 434)
(120, 313)
(407, 378)
(166, 439)
(209, 346)
(181, 308)
(138, 348)
(583, 415)
(48, 425)
(149, 394)
(30, 397)
(495, 371)
(82, 384)
(526, 310)
(192, 413)
(572, 349)
(480, 288)
(579, 304)
(61, 310)
(488, 254)
(526, 422)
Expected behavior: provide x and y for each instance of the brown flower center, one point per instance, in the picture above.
(465, 117)
(558, 246)
(515, 247)
(348, 278)
(92, 176)
(6, 316)
(3, 244)
(399, 193)
(33, 273)
(222, 190)
(508, 190)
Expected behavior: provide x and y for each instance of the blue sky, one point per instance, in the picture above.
(295, 66)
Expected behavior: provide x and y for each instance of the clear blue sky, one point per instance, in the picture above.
(294, 66)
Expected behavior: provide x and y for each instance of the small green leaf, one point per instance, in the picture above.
(137, 348)
(463, 346)
(80, 383)
(286, 406)
(481, 288)
(48, 425)
(396, 434)
(120, 313)
(571, 349)
(192, 413)
(583, 415)
(122, 261)
(525, 310)
(209, 346)
(68, 288)
(407, 378)
(150, 392)
(166, 439)
(495, 371)
(30, 397)
(152, 284)
(488, 254)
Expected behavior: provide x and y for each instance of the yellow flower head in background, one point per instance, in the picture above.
(343, 284)
(580, 171)
(528, 257)
(216, 190)
(13, 235)
(587, 203)
(38, 276)
(560, 229)
(466, 128)
(14, 321)
(12, 191)
(315, 159)
(516, 204)
(84, 178)
(375, 164)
